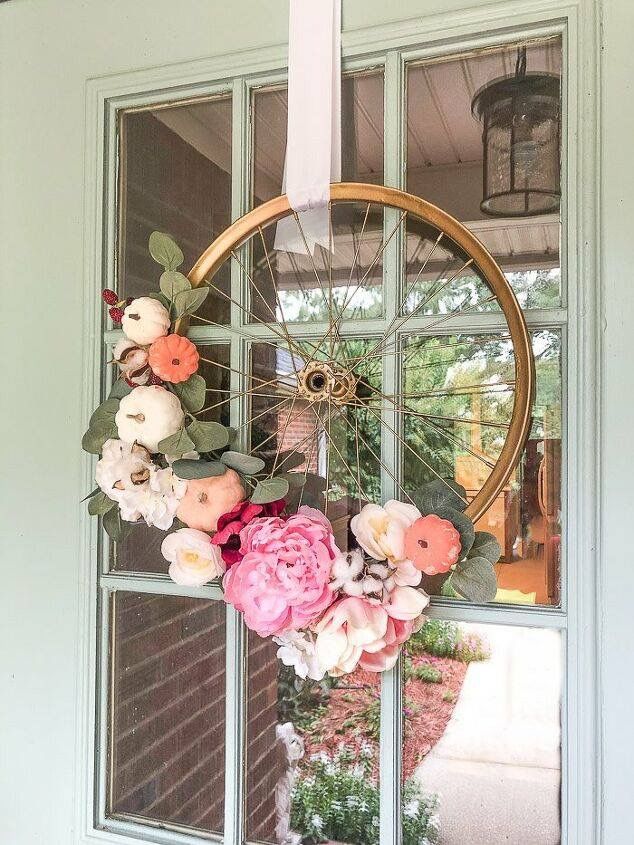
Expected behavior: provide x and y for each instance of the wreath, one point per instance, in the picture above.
(231, 518)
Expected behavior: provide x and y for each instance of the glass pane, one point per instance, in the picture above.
(458, 394)
(445, 166)
(337, 448)
(175, 177)
(140, 551)
(361, 131)
(347, 267)
(312, 754)
(167, 710)
(482, 736)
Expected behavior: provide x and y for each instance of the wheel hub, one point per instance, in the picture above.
(326, 381)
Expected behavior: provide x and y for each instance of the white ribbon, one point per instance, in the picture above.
(313, 143)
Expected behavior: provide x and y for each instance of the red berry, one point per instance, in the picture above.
(116, 314)
(154, 379)
(109, 297)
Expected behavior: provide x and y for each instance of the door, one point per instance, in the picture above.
(66, 70)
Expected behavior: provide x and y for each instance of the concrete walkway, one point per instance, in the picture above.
(496, 768)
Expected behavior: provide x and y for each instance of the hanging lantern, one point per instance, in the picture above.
(521, 119)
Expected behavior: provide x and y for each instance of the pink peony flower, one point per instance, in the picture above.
(367, 633)
(231, 524)
(432, 544)
(282, 582)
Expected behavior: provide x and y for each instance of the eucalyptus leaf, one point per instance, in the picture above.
(188, 469)
(208, 436)
(96, 436)
(165, 302)
(296, 480)
(176, 444)
(289, 459)
(269, 490)
(91, 494)
(474, 579)
(119, 389)
(105, 412)
(164, 250)
(100, 504)
(486, 545)
(115, 527)
(246, 464)
(191, 392)
(438, 493)
(173, 282)
(189, 301)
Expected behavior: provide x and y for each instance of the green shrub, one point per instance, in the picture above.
(337, 798)
(447, 639)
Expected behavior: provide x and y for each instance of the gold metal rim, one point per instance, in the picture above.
(269, 212)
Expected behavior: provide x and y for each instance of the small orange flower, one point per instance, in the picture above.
(173, 358)
(432, 544)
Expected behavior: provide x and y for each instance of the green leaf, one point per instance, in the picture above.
(115, 527)
(474, 579)
(91, 494)
(269, 490)
(105, 413)
(173, 282)
(189, 301)
(119, 389)
(191, 392)
(100, 504)
(164, 250)
(246, 464)
(96, 436)
(440, 493)
(208, 436)
(165, 302)
(289, 459)
(485, 545)
(295, 480)
(176, 444)
(188, 469)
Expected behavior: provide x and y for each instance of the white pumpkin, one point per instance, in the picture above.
(147, 415)
(145, 320)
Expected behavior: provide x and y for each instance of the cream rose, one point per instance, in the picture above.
(193, 559)
(381, 530)
(147, 415)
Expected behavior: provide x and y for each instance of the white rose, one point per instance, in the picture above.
(132, 361)
(122, 467)
(381, 530)
(156, 502)
(147, 415)
(145, 320)
(193, 559)
(297, 649)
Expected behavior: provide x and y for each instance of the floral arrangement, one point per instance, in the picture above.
(228, 513)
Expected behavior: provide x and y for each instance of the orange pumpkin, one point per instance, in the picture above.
(173, 358)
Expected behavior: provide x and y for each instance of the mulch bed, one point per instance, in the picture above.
(351, 715)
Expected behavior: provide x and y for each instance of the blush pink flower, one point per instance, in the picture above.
(282, 582)
(231, 524)
(363, 632)
(432, 544)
